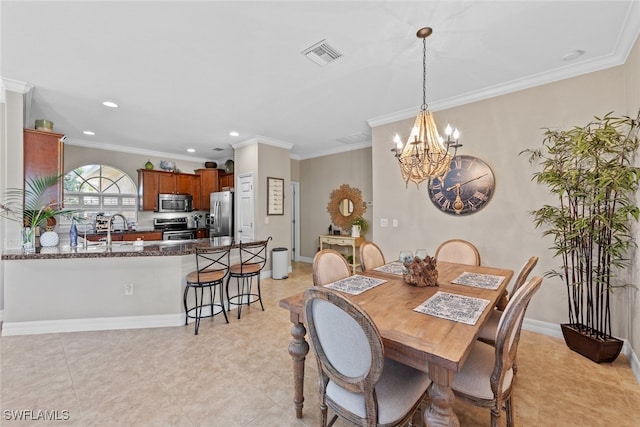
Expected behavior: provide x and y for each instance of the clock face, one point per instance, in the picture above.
(465, 189)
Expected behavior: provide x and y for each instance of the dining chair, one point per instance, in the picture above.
(253, 258)
(489, 329)
(370, 256)
(328, 266)
(486, 378)
(355, 380)
(458, 251)
(212, 266)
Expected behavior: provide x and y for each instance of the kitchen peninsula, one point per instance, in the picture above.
(99, 287)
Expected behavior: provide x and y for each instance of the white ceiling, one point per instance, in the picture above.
(187, 73)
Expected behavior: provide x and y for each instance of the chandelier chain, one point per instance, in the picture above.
(424, 75)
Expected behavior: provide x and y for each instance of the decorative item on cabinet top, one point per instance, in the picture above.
(44, 125)
(168, 166)
(210, 165)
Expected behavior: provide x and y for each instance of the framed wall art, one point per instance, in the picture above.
(275, 196)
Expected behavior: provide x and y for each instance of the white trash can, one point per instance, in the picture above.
(279, 263)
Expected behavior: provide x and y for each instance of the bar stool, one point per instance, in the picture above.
(253, 258)
(212, 266)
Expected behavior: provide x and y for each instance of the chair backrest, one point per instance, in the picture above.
(458, 251)
(508, 333)
(328, 266)
(347, 345)
(253, 256)
(524, 273)
(370, 256)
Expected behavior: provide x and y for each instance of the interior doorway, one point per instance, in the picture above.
(295, 220)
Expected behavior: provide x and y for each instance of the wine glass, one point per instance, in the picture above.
(405, 257)
(421, 253)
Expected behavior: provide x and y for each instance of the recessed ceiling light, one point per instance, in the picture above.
(191, 150)
(574, 54)
(233, 133)
(89, 132)
(110, 104)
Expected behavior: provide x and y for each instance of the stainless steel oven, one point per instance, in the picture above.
(174, 228)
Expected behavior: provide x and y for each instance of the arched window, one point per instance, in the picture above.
(93, 189)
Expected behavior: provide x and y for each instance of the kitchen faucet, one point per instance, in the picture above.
(111, 222)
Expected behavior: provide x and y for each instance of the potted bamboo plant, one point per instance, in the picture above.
(589, 169)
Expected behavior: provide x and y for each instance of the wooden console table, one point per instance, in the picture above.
(343, 240)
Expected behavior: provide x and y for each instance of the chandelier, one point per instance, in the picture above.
(425, 155)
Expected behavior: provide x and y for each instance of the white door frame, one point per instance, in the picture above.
(245, 232)
(295, 221)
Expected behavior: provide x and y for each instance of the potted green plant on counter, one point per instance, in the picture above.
(589, 169)
(29, 208)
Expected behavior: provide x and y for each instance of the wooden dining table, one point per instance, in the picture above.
(431, 344)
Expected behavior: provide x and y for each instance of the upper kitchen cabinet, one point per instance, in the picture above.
(151, 183)
(208, 184)
(43, 156)
(227, 180)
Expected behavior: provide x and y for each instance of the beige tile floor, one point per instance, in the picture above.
(239, 374)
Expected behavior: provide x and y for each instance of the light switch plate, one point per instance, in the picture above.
(384, 222)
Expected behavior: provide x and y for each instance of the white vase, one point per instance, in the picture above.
(355, 231)
(49, 238)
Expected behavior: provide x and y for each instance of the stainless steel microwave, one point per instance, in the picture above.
(175, 203)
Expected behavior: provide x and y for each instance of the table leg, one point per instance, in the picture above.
(440, 411)
(298, 349)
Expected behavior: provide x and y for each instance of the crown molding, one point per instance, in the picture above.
(15, 85)
(259, 139)
(132, 150)
(338, 150)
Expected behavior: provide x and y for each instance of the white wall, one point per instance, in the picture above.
(495, 130)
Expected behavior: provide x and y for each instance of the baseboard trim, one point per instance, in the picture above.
(554, 330)
(95, 324)
(305, 259)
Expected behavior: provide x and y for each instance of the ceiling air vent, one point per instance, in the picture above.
(321, 53)
(355, 138)
(217, 149)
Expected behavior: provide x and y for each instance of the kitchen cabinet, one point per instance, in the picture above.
(202, 233)
(208, 184)
(43, 156)
(227, 180)
(127, 236)
(151, 183)
(142, 235)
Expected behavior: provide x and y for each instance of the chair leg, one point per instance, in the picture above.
(198, 309)
(224, 312)
(184, 301)
(508, 408)
(260, 294)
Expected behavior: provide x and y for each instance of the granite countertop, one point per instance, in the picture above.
(121, 249)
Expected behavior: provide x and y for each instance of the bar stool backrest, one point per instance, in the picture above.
(253, 256)
(209, 261)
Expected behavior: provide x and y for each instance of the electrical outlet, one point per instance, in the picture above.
(128, 289)
(395, 222)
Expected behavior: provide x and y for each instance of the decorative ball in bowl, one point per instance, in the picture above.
(167, 166)
(421, 272)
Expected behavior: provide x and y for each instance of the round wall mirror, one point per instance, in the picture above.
(345, 205)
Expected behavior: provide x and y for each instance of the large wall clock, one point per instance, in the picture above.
(465, 189)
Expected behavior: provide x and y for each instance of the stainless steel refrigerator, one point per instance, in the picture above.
(221, 214)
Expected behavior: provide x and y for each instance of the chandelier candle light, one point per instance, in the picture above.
(425, 155)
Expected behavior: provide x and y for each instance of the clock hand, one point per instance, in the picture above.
(468, 181)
